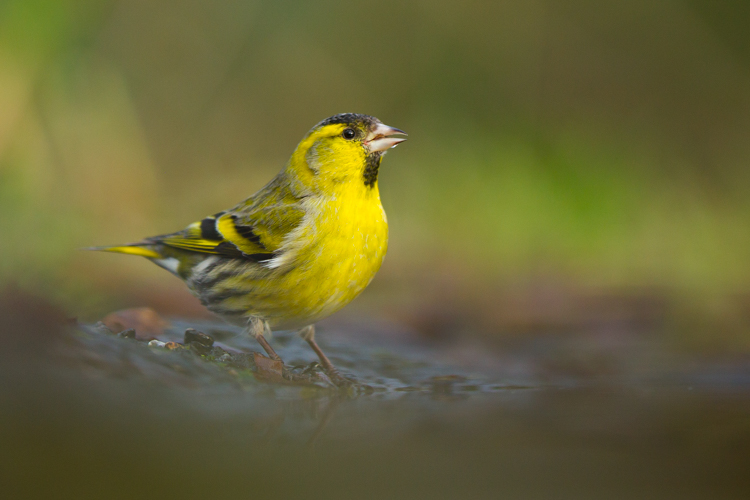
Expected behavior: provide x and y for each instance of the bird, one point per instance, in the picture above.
(299, 249)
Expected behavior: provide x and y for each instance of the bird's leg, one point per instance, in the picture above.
(308, 333)
(257, 328)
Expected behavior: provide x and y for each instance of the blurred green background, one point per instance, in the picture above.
(568, 163)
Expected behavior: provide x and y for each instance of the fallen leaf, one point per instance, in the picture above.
(268, 369)
(146, 322)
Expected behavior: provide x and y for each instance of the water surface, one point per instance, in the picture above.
(86, 414)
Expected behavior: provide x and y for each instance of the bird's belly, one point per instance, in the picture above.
(333, 272)
(321, 277)
(339, 272)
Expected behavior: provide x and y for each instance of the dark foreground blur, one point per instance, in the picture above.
(86, 414)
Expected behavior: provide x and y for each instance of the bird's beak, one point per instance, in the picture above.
(379, 139)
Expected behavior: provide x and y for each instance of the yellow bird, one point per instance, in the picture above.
(299, 249)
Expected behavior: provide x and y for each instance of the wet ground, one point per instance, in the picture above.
(87, 413)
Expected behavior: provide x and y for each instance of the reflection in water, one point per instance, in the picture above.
(324, 417)
(100, 416)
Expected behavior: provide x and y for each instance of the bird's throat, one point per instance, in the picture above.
(372, 164)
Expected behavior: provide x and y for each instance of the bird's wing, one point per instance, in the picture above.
(254, 229)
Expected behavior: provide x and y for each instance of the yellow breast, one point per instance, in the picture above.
(351, 242)
(327, 261)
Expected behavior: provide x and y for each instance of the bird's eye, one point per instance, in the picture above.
(349, 134)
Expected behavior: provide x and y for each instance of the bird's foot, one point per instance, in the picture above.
(267, 347)
(330, 374)
(338, 379)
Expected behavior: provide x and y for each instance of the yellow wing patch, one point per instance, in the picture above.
(242, 237)
(251, 231)
(220, 235)
(193, 238)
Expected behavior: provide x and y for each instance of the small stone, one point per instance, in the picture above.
(199, 348)
(193, 335)
(127, 334)
(157, 343)
(172, 346)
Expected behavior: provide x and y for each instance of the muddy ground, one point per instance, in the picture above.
(95, 411)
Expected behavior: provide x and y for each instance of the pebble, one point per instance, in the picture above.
(193, 335)
(127, 334)
(157, 343)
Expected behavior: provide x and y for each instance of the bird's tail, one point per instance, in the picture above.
(143, 249)
(152, 250)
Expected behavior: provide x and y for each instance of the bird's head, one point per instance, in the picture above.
(344, 148)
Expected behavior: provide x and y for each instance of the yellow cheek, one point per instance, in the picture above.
(337, 160)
